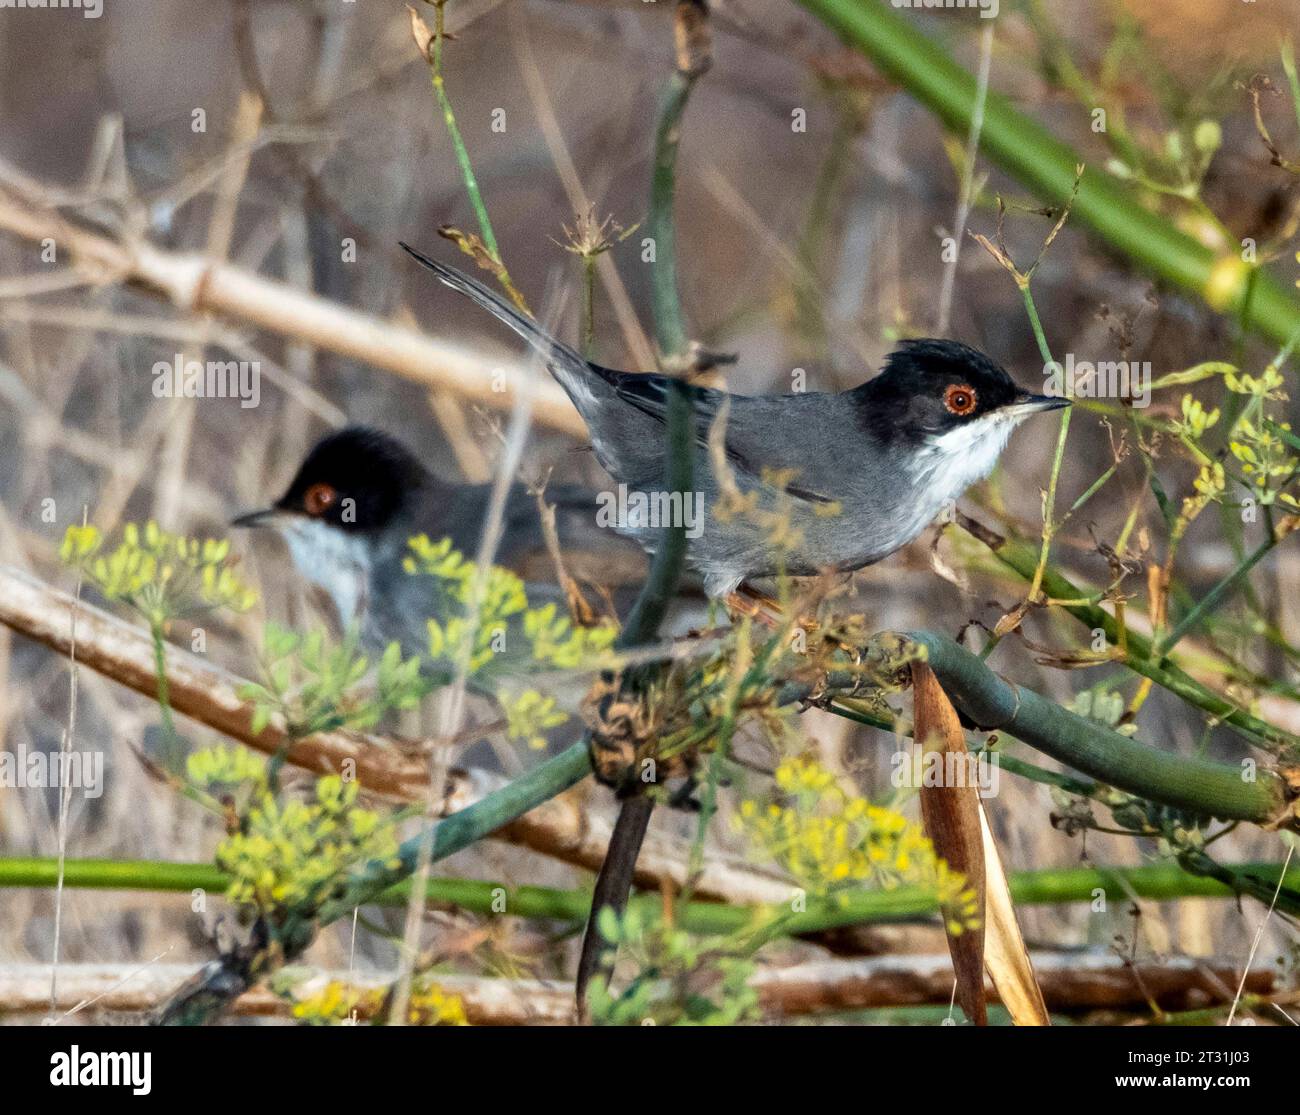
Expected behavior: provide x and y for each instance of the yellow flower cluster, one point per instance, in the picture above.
(1196, 420)
(157, 573)
(1270, 385)
(552, 638)
(337, 1001)
(1264, 461)
(529, 715)
(223, 766)
(286, 854)
(430, 1005)
(558, 642)
(828, 839)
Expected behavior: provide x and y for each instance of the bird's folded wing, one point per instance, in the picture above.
(754, 452)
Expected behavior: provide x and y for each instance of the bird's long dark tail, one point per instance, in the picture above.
(613, 886)
(562, 359)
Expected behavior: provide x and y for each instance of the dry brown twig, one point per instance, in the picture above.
(1261, 84)
(196, 284)
(1069, 983)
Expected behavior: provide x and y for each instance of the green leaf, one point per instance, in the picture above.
(607, 924)
(261, 718)
(1167, 509)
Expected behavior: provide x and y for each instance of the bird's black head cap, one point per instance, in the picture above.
(359, 479)
(929, 387)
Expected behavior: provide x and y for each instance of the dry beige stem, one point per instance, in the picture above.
(1069, 983)
(1005, 957)
(955, 819)
(197, 284)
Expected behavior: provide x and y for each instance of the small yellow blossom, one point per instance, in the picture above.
(828, 839)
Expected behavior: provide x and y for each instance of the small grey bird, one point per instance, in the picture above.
(360, 495)
(859, 473)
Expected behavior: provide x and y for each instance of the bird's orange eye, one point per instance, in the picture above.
(318, 499)
(959, 399)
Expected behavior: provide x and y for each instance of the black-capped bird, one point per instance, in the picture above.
(860, 473)
(358, 498)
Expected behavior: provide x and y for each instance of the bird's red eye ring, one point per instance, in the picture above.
(960, 399)
(319, 498)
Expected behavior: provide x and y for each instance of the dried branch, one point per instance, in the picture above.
(197, 284)
(1070, 983)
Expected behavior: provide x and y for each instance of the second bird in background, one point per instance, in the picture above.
(360, 495)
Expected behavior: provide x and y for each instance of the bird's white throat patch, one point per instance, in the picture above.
(953, 461)
(333, 560)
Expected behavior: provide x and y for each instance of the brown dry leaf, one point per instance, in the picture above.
(952, 820)
(1005, 954)
(1011, 620)
(420, 32)
(942, 568)
(956, 822)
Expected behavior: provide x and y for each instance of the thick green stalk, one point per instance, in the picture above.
(1198, 785)
(615, 879)
(673, 340)
(462, 829)
(1048, 887)
(670, 322)
(1203, 787)
(1045, 165)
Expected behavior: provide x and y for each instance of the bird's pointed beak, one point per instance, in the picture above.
(1026, 404)
(266, 517)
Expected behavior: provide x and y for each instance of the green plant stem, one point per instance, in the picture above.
(642, 623)
(1203, 787)
(1049, 506)
(462, 829)
(1047, 887)
(1019, 767)
(172, 751)
(589, 306)
(457, 142)
(1046, 166)
(670, 322)
(1212, 599)
(1022, 559)
(651, 605)
(615, 879)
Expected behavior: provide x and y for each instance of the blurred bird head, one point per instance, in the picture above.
(348, 508)
(358, 481)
